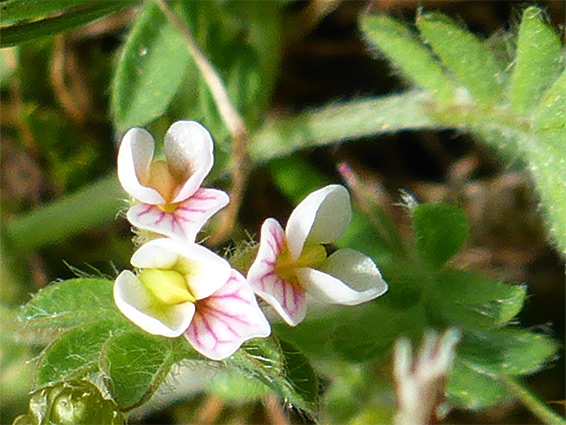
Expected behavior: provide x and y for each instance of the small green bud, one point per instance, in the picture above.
(70, 403)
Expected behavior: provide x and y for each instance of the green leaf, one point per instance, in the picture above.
(440, 232)
(409, 55)
(245, 51)
(537, 61)
(300, 373)
(509, 351)
(266, 360)
(71, 303)
(469, 389)
(73, 355)
(372, 331)
(546, 158)
(59, 220)
(332, 124)
(550, 115)
(19, 10)
(24, 32)
(486, 358)
(464, 55)
(134, 365)
(149, 71)
(465, 299)
(234, 387)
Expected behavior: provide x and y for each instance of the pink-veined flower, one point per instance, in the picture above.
(169, 198)
(187, 289)
(293, 262)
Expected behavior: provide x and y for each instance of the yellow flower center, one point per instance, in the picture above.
(168, 286)
(161, 179)
(311, 256)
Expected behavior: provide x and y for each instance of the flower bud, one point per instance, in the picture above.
(70, 403)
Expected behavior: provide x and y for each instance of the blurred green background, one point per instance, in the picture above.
(57, 138)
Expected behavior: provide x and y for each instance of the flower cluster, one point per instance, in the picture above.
(183, 288)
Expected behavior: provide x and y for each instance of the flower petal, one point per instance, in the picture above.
(188, 148)
(286, 297)
(134, 159)
(342, 271)
(136, 303)
(322, 217)
(206, 271)
(226, 319)
(185, 221)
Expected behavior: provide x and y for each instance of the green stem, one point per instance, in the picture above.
(537, 407)
(335, 123)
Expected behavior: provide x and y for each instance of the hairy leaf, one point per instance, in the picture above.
(284, 370)
(134, 365)
(74, 355)
(467, 57)
(336, 123)
(408, 54)
(71, 303)
(537, 61)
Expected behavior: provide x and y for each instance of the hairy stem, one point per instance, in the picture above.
(531, 402)
(233, 121)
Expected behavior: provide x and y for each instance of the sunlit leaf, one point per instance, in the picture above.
(407, 53)
(149, 70)
(464, 55)
(348, 121)
(537, 60)
(71, 303)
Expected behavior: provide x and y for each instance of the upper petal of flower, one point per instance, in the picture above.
(226, 319)
(185, 221)
(286, 297)
(188, 148)
(205, 271)
(322, 217)
(137, 304)
(347, 277)
(134, 159)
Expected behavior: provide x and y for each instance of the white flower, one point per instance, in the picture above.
(420, 383)
(170, 199)
(187, 289)
(294, 262)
